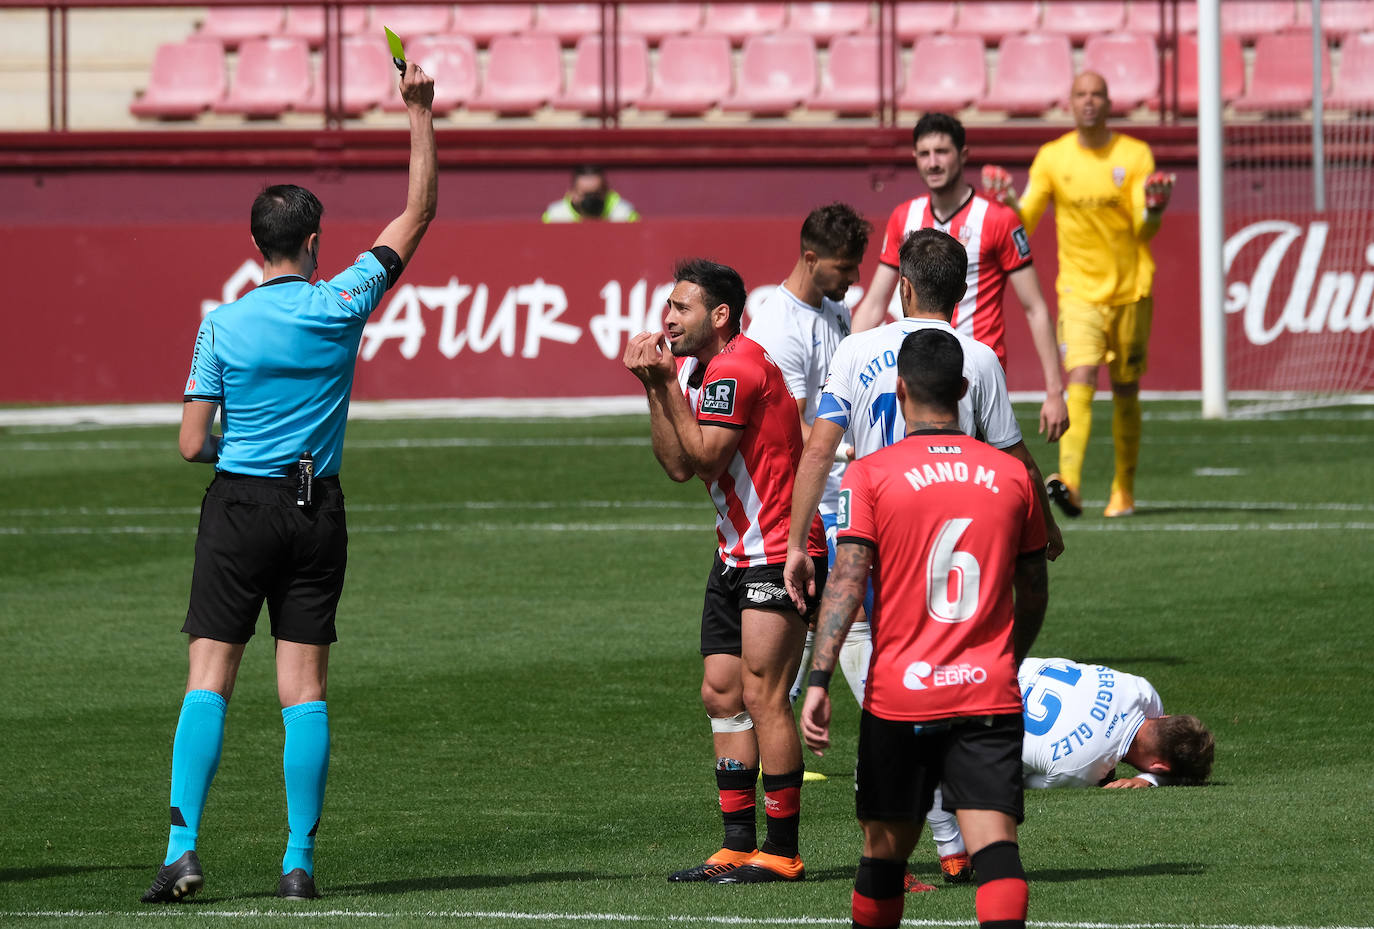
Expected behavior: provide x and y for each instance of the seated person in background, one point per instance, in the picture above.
(590, 198)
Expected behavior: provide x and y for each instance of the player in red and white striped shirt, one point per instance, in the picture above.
(726, 417)
(998, 253)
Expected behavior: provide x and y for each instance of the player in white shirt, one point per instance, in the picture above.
(1081, 721)
(801, 324)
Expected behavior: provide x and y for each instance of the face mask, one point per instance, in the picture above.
(592, 204)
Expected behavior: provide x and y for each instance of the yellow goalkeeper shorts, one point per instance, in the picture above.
(1092, 334)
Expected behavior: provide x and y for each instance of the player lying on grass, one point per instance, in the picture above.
(1082, 720)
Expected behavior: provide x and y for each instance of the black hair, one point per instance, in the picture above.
(931, 365)
(936, 265)
(588, 170)
(719, 284)
(835, 231)
(284, 216)
(941, 123)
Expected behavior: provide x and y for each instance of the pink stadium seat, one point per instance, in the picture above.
(1078, 21)
(272, 76)
(653, 21)
(947, 73)
(692, 75)
(1340, 18)
(369, 77)
(186, 80)
(741, 20)
(1354, 85)
(920, 19)
(849, 83)
(230, 25)
(523, 73)
(307, 22)
(1129, 62)
(1143, 16)
(568, 21)
(485, 21)
(412, 22)
(825, 21)
(584, 84)
(777, 72)
(1281, 78)
(1255, 18)
(1033, 74)
(452, 61)
(1232, 73)
(990, 20)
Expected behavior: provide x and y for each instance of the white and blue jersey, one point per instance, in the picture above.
(279, 361)
(861, 392)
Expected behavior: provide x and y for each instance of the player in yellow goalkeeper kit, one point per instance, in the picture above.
(1108, 201)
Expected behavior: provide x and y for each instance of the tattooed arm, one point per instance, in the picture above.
(844, 592)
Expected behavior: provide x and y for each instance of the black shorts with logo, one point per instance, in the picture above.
(730, 591)
(978, 760)
(256, 545)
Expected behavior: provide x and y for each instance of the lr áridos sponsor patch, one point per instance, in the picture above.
(718, 397)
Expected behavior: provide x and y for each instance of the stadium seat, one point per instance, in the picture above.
(412, 22)
(653, 21)
(369, 77)
(230, 25)
(947, 73)
(1143, 16)
(187, 78)
(584, 83)
(1129, 62)
(1256, 18)
(915, 20)
(1353, 88)
(485, 21)
(568, 21)
(1232, 73)
(452, 61)
(524, 72)
(1033, 75)
(307, 22)
(1281, 77)
(1078, 21)
(1340, 18)
(777, 72)
(272, 76)
(741, 20)
(849, 83)
(994, 19)
(692, 75)
(825, 21)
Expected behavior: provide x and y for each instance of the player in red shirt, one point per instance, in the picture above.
(948, 527)
(998, 253)
(726, 417)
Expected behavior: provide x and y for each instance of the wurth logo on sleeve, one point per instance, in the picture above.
(718, 397)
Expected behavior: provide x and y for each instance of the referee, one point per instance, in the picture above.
(279, 362)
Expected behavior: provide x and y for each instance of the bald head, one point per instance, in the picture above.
(1089, 101)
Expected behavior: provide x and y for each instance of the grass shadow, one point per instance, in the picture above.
(43, 872)
(438, 882)
(1157, 869)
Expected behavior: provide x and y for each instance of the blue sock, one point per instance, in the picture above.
(195, 756)
(305, 762)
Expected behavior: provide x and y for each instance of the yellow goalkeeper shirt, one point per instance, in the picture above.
(1099, 214)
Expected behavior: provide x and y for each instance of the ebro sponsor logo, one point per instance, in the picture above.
(921, 675)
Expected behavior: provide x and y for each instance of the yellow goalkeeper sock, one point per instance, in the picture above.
(1074, 443)
(1126, 441)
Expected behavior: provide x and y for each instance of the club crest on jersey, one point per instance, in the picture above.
(718, 397)
(1118, 176)
(1018, 236)
(965, 234)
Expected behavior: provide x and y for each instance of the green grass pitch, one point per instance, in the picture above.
(517, 737)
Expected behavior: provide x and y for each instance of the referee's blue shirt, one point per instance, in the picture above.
(279, 361)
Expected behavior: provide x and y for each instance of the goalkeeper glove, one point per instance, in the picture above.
(1158, 187)
(997, 184)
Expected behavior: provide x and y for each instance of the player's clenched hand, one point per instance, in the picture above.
(417, 87)
(1127, 782)
(815, 720)
(799, 577)
(1054, 417)
(997, 184)
(1055, 547)
(1159, 187)
(647, 360)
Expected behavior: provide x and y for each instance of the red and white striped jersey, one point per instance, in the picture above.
(742, 388)
(997, 245)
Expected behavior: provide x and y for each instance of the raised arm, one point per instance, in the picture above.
(1054, 414)
(402, 235)
(872, 309)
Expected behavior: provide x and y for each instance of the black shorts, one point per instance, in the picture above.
(978, 760)
(729, 591)
(254, 545)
